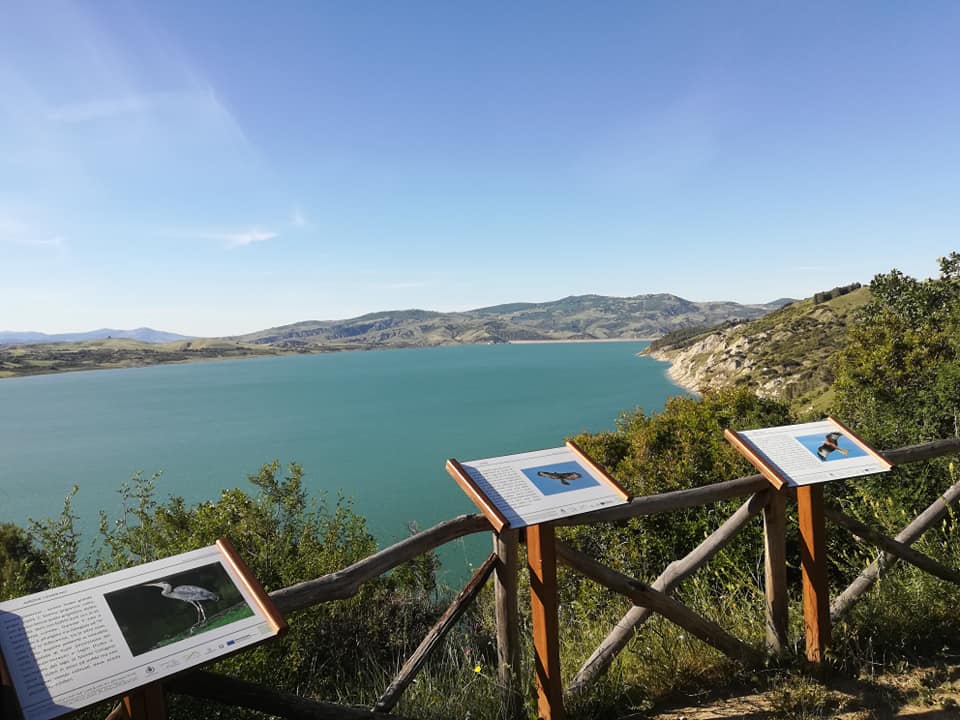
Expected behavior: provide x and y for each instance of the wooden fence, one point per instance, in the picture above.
(648, 599)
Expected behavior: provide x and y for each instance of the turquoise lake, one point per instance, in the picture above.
(377, 426)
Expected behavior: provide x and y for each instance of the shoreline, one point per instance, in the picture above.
(579, 340)
(114, 363)
(675, 376)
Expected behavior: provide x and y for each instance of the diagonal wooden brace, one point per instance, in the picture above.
(894, 547)
(675, 611)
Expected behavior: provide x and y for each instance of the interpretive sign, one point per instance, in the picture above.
(808, 453)
(534, 487)
(76, 645)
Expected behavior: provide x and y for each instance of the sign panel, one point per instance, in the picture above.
(807, 453)
(76, 645)
(535, 487)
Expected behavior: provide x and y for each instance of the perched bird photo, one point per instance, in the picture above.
(190, 594)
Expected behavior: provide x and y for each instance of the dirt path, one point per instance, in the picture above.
(919, 693)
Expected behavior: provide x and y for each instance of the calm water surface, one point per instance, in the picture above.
(377, 426)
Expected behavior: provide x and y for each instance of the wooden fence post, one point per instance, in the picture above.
(544, 605)
(813, 563)
(506, 546)
(775, 571)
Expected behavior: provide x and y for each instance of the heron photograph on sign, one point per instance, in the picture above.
(173, 607)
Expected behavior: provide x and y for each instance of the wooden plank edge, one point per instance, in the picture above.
(578, 451)
(473, 491)
(746, 449)
(260, 597)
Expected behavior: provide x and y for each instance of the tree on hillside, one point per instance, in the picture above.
(23, 568)
(899, 379)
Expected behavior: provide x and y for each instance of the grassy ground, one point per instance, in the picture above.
(225, 617)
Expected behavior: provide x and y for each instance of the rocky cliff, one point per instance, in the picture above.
(786, 354)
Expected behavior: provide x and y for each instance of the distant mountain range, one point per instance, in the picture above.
(580, 317)
(143, 334)
(583, 317)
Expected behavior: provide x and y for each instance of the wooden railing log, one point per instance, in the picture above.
(894, 547)
(433, 638)
(346, 583)
(240, 693)
(909, 535)
(659, 602)
(923, 451)
(672, 501)
(692, 497)
(676, 572)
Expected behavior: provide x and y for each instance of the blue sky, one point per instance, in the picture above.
(220, 167)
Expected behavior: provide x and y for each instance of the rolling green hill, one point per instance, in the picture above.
(582, 317)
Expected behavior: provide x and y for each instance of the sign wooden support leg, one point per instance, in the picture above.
(813, 563)
(542, 560)
(146, 703)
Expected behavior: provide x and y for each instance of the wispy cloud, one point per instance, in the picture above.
(399, 285)
(298, 219)
(38, 242)
(240, 238)
(105, 108)
(16, 232)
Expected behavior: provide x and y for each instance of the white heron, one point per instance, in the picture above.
(189, 594)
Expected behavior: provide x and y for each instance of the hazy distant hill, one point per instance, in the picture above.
(143, 334)
(786, 354)
(54, 357)
(582, 317)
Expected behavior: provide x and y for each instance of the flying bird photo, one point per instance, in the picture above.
(559, 478)
(830, 445)
(563, 477)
